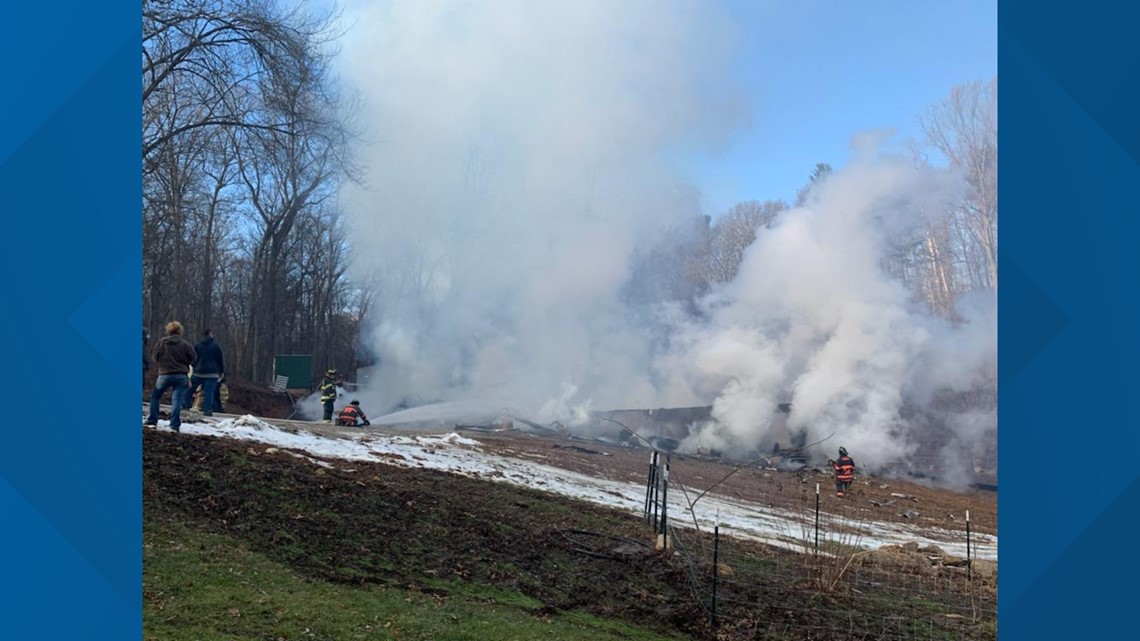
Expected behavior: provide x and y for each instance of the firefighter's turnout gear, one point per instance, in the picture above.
(844, 468)
(352, 416)
(328, 394)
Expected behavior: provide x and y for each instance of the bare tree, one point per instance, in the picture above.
(963, 129)
(723, 251)
(671, 270)
(216, 216)
(213, 52)
(244, 144)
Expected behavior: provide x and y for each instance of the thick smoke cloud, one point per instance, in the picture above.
(813, 320)
(518, 163)
(520, 155)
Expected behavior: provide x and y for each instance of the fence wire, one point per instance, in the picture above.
(835, 590)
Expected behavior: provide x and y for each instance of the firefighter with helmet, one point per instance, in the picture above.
(328, 393)
(352, 416)
(844, 472)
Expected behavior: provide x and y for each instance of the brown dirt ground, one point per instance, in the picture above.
(937, 507)
(378, 524)
(776, 489)
(370, 523)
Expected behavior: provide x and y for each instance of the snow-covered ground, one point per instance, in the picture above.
(461, 455)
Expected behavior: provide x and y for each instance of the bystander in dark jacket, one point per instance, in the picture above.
(209, 368)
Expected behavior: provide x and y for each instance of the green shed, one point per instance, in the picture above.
(298, 367)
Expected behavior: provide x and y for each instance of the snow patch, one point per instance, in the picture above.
(457, 454)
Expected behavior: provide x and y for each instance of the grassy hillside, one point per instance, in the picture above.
(242, 541)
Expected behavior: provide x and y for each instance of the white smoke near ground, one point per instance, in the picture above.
(310, 408)
(813, 320)
(518, 165)
(520, 157)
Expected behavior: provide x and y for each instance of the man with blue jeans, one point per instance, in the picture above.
(173, 355)
(209, 367)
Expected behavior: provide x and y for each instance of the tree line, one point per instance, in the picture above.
(245, 144)
(953, 253)
(247, 139)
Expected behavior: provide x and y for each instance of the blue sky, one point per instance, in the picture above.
(818, 72)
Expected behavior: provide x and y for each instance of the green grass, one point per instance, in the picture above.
(207, 587)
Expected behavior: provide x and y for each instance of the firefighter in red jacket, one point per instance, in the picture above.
(352, 416)
(844, 472)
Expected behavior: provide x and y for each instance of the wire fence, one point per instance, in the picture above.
(827, 584)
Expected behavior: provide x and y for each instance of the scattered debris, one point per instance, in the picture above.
(882, 503)
(664, 443)
(767, 464)
(907, 497)
(791, 465)
(909, 514)
(553, 428)
(610, 442)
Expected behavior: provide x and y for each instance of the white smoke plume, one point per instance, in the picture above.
(520, 159)
(521, 154)
(813, 320)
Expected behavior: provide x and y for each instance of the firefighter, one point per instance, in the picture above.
(328, 393)
(352, 416)
(844, 472)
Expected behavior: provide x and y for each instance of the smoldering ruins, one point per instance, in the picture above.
(538, 260)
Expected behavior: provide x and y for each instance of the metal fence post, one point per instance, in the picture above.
(969, 558)
(665, 506)
(656, 487)
(817, 519)
(649, 483)
(716, 565)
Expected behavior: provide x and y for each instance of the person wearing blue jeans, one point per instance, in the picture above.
(179, 384)
(173, 355)
(209, 368)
